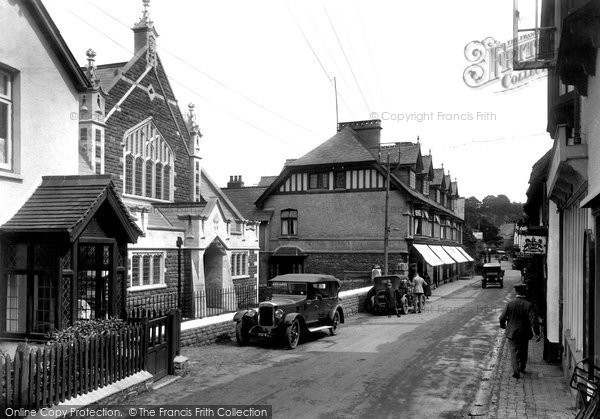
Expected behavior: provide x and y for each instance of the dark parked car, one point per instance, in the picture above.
(300, 303)
(492, 274)
(377, 302)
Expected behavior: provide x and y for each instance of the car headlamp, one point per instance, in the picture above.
(251, 312)
(278, 313)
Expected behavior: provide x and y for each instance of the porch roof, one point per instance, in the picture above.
(65, 204)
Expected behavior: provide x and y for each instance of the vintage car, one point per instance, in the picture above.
(377, 302)
(300, 303)
(492, 274)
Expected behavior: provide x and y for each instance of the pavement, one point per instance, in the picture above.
(541, 392)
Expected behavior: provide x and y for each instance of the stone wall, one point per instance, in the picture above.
(352, 302)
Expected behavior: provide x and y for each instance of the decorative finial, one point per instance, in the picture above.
(193, 125)
(417, 139)
(429, 152)
(146, 12)
(91, 67)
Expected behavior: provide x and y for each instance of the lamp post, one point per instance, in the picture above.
(386, 233)
(179, 243)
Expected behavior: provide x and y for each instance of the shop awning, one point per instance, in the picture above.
(456, 255)
(465, 254)
(428, 255)
(442, 254)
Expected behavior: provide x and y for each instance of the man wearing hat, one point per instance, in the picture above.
(519, 318)
(390, 300)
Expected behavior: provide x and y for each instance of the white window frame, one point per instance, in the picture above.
(244, 264)
(154, 282)
(146, 142)
(9, 101)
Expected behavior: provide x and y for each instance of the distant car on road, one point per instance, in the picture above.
(492, 274)
(300, 303)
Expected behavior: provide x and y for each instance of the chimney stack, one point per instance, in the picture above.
(235, 182)
(368, 131)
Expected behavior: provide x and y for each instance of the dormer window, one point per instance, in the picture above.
(412, 179)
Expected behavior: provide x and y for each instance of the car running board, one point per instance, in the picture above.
(319, 328)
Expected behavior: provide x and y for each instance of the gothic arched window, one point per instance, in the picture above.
(148, 163)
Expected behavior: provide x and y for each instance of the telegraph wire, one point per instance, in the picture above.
(346, 58)
(212, 78)
(314, 53)
(333, 60)
(370, 53)
(188, 88)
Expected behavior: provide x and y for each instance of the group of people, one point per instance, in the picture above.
(421, 287)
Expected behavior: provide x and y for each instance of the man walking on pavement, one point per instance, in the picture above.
(519, 318)
(418, 291)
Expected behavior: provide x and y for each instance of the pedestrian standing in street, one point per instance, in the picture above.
(375, 272)
(390, 300)
(520, 321)
(419, 285)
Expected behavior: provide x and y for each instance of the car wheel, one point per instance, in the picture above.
(404, 307)
(335, 324)
(501, 284)
(292, 334)
(242, 334)
(482, 284)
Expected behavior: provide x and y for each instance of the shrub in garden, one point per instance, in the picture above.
(83, 329)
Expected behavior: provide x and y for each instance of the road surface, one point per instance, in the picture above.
(418, 365)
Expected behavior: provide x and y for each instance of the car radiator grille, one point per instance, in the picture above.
(265, 316)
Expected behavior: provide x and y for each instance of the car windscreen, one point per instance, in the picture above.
(288, 288)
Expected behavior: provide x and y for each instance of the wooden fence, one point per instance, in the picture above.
(49, 375)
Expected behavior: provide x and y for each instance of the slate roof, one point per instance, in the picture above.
(106, 73)
(244, 199)
(423, 199)
(343, 147)
(409, 153)
(173, 212)
(267, 180)
(426, 163)
(438, 177)
(65, 204)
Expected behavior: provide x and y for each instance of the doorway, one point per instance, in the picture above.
(95, 276)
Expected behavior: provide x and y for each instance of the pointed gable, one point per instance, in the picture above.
(439, 179)
(68, 204)
(343, 147)
(427, 166)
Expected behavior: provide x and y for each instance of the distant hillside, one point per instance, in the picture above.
(487, 215)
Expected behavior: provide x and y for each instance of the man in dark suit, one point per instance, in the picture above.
(519, 318)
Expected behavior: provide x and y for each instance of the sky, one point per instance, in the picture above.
(261, 76)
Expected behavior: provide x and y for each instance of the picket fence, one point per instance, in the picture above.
(55, 373)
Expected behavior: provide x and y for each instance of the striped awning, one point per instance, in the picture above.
(428, 255)
(442, 254)
(455, 253)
